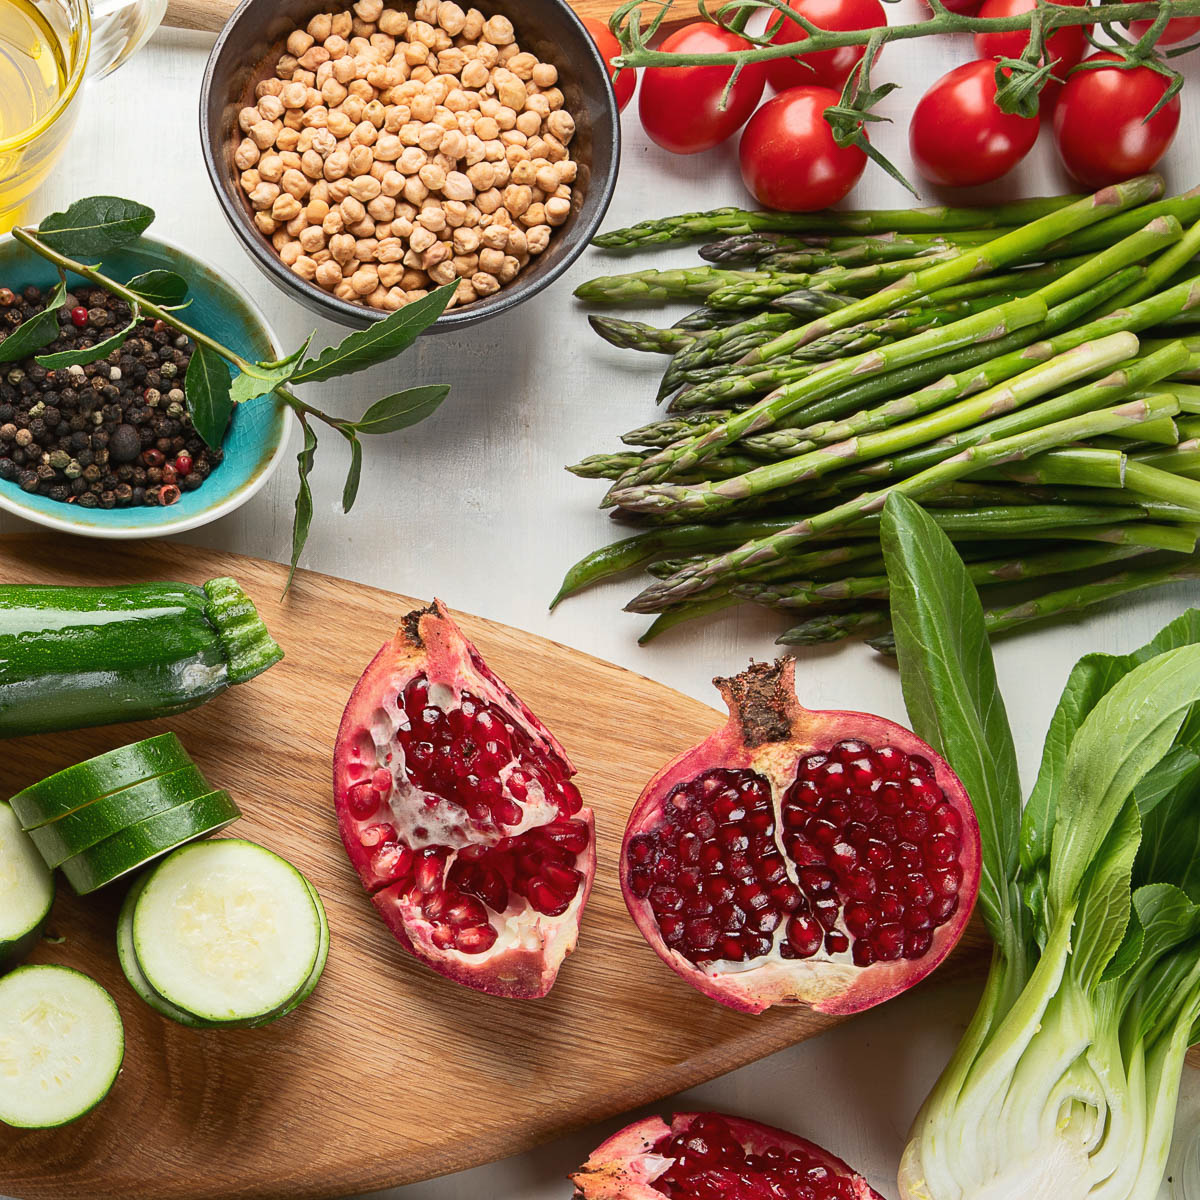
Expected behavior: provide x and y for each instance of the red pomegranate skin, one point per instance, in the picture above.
(769, 734)
(649, 1160)
(382, 803)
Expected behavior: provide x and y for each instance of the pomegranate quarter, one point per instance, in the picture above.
(707, 1156)
(457, 809)
(822, 858)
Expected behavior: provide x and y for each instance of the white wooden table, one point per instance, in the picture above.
(474, 506)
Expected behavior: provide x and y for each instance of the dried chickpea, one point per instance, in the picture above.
(557, 210)
(321, 26)
(305, 268)
(286, 208)
(457, 187)
(365, 188)
(528, 123)
(264, 195)
(268, 87)
(390, 274)
(360, 161)
(312, 239)
(393, 22)
(341, 246)
(329, 275)
(246, 155)
(344, 291)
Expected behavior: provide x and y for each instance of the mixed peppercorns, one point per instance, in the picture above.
(396, 152)
(111, 434)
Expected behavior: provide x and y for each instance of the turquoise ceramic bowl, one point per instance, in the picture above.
(257, 438)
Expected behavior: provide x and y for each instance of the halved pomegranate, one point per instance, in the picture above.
(795, 857)
(457, 809)
(708, 1156)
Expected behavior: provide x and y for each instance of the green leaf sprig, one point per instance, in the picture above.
(100, 225)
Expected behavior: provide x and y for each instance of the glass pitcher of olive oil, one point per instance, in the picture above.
(47, 48)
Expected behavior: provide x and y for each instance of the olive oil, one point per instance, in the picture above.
(33, 72)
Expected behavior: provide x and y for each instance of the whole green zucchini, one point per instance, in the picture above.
(71, 657)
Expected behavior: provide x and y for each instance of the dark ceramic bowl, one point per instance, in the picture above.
(250, 45)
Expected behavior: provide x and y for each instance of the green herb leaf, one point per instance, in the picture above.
(30, 336)
(379, 343)
(95, 226)
(164, 288)
(80, 358)
(402, 409)
(950, 690)
(263, 378)
(304, 500)
(208, 395)
(350, 491)
(1105, 903)
(1125, 735)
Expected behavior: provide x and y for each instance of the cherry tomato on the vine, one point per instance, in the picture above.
(1100, 125)
(959, 138)
(624, 81)
(680, 107)
(1066, 45)
(827, 68)
(788, 157)
(1178, 30)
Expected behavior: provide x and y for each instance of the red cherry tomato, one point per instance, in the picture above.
(828, 68)
(680, 107)
(1066, 45)
(1100, 127)
(1178, 30)
(624, 81)
(959, 138)
(788, 157)
(964, 8)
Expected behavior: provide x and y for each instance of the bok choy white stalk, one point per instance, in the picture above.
(1064, 1086)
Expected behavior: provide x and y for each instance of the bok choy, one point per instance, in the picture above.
(1064, 1086)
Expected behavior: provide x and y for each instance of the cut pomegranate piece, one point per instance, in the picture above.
(708, 1156)
(457, 809)
(795, 857)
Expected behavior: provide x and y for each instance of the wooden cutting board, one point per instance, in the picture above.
(211, 15)
(389, 1074)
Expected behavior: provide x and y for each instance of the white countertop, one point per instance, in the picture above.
(474, 506)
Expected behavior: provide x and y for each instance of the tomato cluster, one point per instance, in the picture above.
(958, 136)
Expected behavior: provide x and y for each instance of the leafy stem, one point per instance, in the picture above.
(101, 224)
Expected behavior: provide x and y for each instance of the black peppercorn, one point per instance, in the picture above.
(125, 444)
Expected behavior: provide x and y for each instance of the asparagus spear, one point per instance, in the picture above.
(634, 552)
(636, 335)
(612, 466)
(755, 247)
(1163, 269)
(685, 612)
(824, 628)
(875, 587)
(1070, 599)
(663, 433)
(689, 227)
(750, 559)
(934, 427)
(652, 287)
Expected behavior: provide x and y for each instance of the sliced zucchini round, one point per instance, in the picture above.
(149, 839)
(86, 827)
(64, 792)
(227, 930)
(141, 985)
(61, 1046)
(26, 891)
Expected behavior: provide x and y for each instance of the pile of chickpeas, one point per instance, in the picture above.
(391, 154)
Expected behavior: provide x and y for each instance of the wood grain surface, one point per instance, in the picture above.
(211, 15)
(389, 1073)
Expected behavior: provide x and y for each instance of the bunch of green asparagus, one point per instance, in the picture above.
(1021, 370)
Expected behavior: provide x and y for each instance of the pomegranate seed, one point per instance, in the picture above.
(892, 761)
(391, 863)
(506, 812)
(859, 919)
(943, 908)
(849, 749)
(913, 825)
(860, 884)
(836, 942)
(664, 898)
(765, 921)
(918, 764)
(730, 949)
(703, 824)
(719, 890)
(568, 798)
(917, 890)
(811, 765)
(571, 836)
(863, 773)
(670, 925)
(947, 882)
(640, 882)
(941, 850)
(916, 919)
(804, 935)
(466, 911)
(888, 943)
(888, 908)
(755, 945)
(733, 839)
(826, 911)
(729, 809)
(545, 899)
(363, 801)
(917, 944)
(863, 953)
(816, 880)
(697, 906)
(890, 797)
(564, 880)
(921, 792)
(475, 941)
(688, 848)
(787, 897)
(442, 936)
(701, 934)
(376, 835)
(730, 918)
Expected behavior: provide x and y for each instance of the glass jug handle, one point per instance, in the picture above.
(119, 28)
